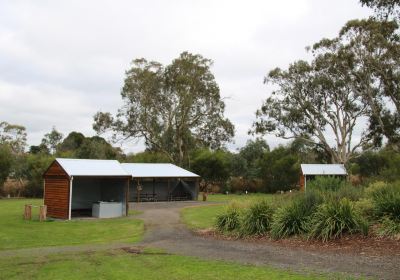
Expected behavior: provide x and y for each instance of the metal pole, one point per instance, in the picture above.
(305, 183)
(70, 197)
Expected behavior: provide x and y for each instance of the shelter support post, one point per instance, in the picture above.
(70, 197)
(197, 183)
(305, 183)
(127, 199)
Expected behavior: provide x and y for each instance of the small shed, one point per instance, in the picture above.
(83, 187)
(309, 171)
(161, 182)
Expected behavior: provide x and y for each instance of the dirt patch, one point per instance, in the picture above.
(132, 250)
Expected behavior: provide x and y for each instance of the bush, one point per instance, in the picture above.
(334, 218)
(257, 219)
(374, 187)
(229, 220)
(390, 228)
(325, 183)
(293, 218)
(387, 201)
(365, 208)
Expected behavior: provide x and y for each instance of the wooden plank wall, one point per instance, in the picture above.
(56, 193)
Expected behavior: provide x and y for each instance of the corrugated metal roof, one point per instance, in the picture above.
(149, 170)
(91, 167)
(323, 169)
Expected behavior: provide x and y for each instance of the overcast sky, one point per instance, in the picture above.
(62, 61)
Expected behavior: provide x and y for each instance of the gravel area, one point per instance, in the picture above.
(165, 230)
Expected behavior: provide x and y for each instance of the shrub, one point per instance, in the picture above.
(387, 201)
(325, 183)
(374, 187)
(334, 218)
(292, 219)
(390, 227)
(229, 220)
(257, 219)
(365, 207)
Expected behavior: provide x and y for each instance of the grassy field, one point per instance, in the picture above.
(151, 264)
(18, 233)
(203, 217)
(237, 197)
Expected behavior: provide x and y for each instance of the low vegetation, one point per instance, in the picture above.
(149, 264)
(18, 233)
(328, 210)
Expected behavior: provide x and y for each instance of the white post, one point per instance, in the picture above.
(70, 197)
(305, 183)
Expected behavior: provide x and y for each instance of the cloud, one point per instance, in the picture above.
(61, 61)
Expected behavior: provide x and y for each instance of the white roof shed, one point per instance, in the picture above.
(323, 169)
(92, 167)
(157, 170)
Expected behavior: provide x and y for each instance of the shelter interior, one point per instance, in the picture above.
(162, 189)
(87, 191)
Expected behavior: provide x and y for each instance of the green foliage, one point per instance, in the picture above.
(6, 161)
(292, 219)
(36, 165)
(365, 207)
(212, 166)
(175, 108)
(14, 136)
(251, 154)
(390, 227)
(148, 157)
(325, 183)
(229, 220)
(370, 163)
(334, 218)
(257, 218)
(387, 200)
(76, 145)
(51, 140)
(280, 170)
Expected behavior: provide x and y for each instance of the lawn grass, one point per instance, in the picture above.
(203, 217)
(152, 264)
(18, 233)
(238, 197)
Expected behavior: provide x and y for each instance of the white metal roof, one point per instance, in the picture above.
(91, 167)
(323, 169)
(148, 170)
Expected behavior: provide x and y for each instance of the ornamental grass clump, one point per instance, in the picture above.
(257, 219)
(229, 220)
(334, 218)
(293, 218)
(386, 201)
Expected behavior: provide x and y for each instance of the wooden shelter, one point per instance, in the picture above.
(309, 171)
(72, 186)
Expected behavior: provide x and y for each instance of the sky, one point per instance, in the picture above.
(62, 61)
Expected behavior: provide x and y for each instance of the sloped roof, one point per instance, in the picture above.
(149, 170)
(323, 169)
(91, 167)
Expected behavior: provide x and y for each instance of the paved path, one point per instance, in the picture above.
(165, 230)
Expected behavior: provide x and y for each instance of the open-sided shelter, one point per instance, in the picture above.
(309, 171)
(76, 187)
(103, 188)
(161, 182)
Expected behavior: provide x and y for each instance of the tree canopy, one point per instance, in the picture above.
(174, 108)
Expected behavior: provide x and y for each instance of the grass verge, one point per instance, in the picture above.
(150, 264)
(18, 233)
